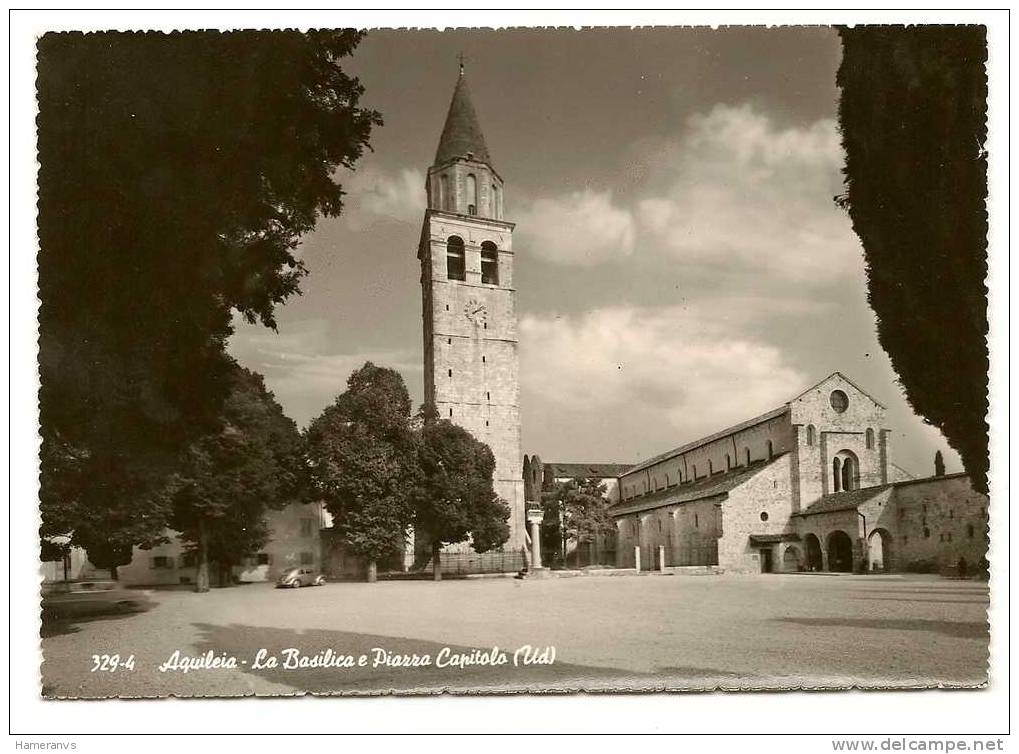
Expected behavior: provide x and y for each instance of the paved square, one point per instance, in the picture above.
(609, 632)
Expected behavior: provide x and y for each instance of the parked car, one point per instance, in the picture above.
(295, 578)
(65, 599)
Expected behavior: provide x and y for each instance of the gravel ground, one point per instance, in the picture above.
(647, 632)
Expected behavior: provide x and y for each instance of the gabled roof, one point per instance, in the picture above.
(837, 374)
(600, 470)
(710, 438)
(462, 132)
(713, 486)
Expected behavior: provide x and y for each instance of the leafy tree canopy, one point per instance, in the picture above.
(231, 478)
(455, 498)
(177, 175)
(584, 506)
(363, 463)
(912, 115)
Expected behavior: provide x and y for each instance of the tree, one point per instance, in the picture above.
(455, 499)
(177, 175)
(912, 115)
(363, 463)
(232, 477)
(576, 509)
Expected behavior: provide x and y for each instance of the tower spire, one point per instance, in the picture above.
(461, 135)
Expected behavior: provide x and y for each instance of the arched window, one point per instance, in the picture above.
(771, 450)
(870, 438)
(728, 462)
(847, 474)
(695, 472)
(711, 468)
(666, 480)
(489, 263)
(496, 210)
(810, 435)
(836, 470)
(472, 194)
(654, 484)
(456, 268)
(746, 454)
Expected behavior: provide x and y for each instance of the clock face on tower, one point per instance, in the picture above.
(475, 312)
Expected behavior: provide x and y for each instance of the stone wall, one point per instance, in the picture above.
(765, 495)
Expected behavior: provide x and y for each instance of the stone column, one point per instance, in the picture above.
(535, 544)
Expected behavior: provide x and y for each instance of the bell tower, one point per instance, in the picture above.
(469, 303)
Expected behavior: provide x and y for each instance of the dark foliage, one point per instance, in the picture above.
(912, 114)
(230, 479)
(576, 509)
(363, 462)
(177, 174)
(455, 498)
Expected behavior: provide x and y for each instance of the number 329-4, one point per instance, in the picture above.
(111, 663)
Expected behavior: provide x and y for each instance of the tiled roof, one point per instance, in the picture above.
(462, 132)
(600, 470)
(842, 501)
(711, 438)
(713, 486)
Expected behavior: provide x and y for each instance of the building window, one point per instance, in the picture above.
(870, 438)
(746, 453)
(449, 341)
(456, 267)
(839, 401)
(836, 472)
(696, 521)
(262, 558)
(926, 533)
(472, 194)
(810, 435)
(771, 450)
(764, 515)
(162, 561)
(483, 360)
(666, 480)
(728, 462)
(970, 531)
(307, 558)
(449, 372)
(451, 412)
(489, 263)
(905, 539)
(695, 472)
(307, 525)
(444, 197)
(488, 396)
(496, 203)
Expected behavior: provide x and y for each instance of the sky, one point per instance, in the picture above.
(680, 263)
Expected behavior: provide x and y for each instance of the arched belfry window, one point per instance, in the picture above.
(472, 194)
(870, 438)
(456, 268)
(489, 263)
(811, 432)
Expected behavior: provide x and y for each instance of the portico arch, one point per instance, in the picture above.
(792, 559)
(840, 552)
(814, 560)
(879, 550)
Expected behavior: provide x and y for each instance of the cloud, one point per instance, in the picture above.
(736, 189)
(582, 228)
(675, 373)
(302, 367)
(374, 193)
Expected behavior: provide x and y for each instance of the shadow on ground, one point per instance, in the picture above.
(244, 642)
(955, 629)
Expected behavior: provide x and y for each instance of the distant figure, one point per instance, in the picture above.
(939, 464)
(963, 568)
